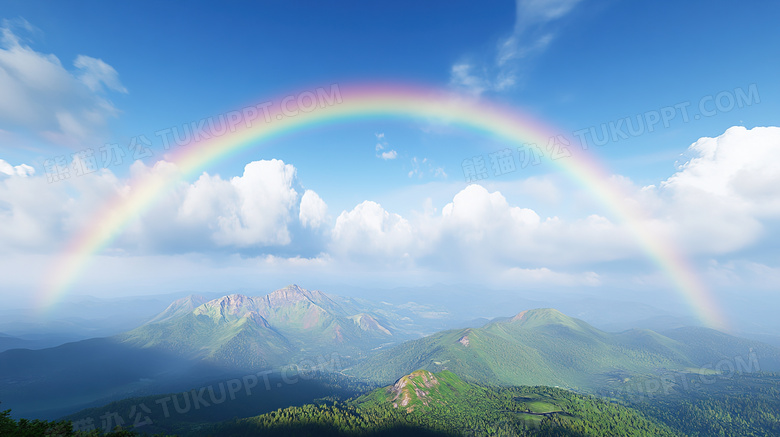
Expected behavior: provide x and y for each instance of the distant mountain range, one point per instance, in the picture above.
(544, 346)
(9, 342)
(81, 317)
(286, 325)
(197, 339)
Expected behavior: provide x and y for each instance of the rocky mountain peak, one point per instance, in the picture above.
(227, 307)
(289, 295)
(415, 386)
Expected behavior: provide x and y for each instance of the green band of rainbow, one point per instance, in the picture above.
(381, 101)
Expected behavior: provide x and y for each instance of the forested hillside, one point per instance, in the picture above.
(423, 403)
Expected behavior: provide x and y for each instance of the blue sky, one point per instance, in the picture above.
(83, 74)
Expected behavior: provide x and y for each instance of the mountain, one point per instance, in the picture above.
(546, 347)
(9, 342)
(442, 404)
(422, 388)
(82, 317)
(426, 403)
(274, 330)
(196, 340)
(191, 341)
(48, 383)
(180, 307)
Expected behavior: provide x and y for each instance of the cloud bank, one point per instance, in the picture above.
(722, 201)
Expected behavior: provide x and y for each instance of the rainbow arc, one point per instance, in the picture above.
(371, 102)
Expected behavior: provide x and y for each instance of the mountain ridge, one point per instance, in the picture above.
(544, 346)
(270, 330)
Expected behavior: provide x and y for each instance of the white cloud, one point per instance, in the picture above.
(389, 155)
(721, 201)
(370, 231)
(531, 35)
(254, 210)
(40, 95)
(39, 216)
(96, 74)
(382, 144)
(741, 167)
(478, 230)
(313, 210)
(421, 167)
(531, 11)
(22, 170)
(462, 76)
(249, 210)
(483, 226)
(480, 233)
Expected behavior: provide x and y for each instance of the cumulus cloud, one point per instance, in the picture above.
(313, 210)
(478, 233)
(741, 167)
(248, 210)
(255, 210)
(721, 201)
(22, 170)
(368, 230)
(477, 230)
(40, 95)
(486, 227)
(474, 210)
(723, 198)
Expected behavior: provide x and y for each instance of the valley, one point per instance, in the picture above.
(202, 363)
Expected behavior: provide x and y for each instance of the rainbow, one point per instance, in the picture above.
(346, 104)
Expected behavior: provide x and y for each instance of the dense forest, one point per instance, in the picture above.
(473, 410)
(739, 406)
(37, 428)
(743, 405)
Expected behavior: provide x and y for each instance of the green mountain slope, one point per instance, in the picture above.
(546, 347)
(424, 403)
(420, 389)
(196, 340)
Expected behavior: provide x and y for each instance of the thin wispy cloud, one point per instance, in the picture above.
(423, 166)
(534, 30)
